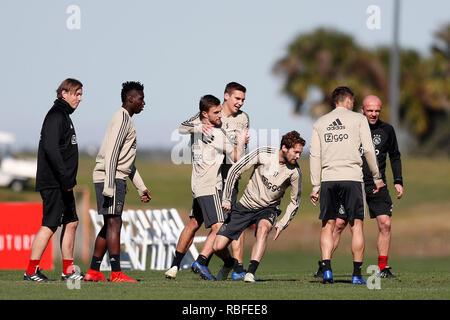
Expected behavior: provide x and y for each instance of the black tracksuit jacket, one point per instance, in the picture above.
(58, 149)
(385, 142)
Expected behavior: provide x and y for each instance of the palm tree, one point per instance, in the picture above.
(328, 58)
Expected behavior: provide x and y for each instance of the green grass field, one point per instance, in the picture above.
(420, 251)
(286, 276)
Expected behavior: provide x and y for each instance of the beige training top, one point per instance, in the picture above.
(117, 154)
(335, 148)
(267, 184)
(207, 157)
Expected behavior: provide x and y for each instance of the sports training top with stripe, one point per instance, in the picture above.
(335, 148)
(268, 182)
(115, 159)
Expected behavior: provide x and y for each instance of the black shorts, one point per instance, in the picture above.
(379, 203)
(348, 194)
(240, 218)
(58, 207)
(111, 205)
(208, 209)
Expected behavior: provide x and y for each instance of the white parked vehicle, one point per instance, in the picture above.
(15, 173)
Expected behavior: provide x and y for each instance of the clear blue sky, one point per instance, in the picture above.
(180, 50)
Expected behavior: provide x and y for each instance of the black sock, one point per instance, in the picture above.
(177, 259)
(239, 268)
(115, 262)
(95, 263)
(201, 259)
(357, 268)
(253, 266)
(229, 262)
(325, 265)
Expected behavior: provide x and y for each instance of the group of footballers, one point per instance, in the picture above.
(344, 145)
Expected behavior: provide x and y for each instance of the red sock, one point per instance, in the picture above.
(68, 266)
(382, 262)
(32, 266)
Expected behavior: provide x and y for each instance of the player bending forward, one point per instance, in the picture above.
(273, 172)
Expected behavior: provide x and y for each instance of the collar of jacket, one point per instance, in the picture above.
(64, 105)
(375, 125)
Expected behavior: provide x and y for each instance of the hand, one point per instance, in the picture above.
(378, 186)
(146, 197)
(277, 233)
(314, 197)
(399, 189)
(247, 136)
(226, 207)
(207, 129)
(242, 136)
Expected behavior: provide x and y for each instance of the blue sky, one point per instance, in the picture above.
(180, 50)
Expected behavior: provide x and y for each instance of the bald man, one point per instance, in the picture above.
(380, 204)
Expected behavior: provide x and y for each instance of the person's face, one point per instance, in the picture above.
(291, 155)
(372, 110)
(73, 98)
(235, 100)
(214, 115)
(137, 101)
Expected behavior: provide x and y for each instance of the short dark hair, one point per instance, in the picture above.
(290, 139)
(339, 94)
(206, 102)
(128, 86)
(232, 86)
(68, 85)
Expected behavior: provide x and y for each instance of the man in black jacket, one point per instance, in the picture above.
(55, 179)
(380, 204)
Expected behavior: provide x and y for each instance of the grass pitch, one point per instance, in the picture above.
(285, 276)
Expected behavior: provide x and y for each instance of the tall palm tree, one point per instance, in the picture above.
(328, 58)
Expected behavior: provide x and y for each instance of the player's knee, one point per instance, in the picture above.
(193, 225)
(114, 223)
(219, 244)
(340, 225)
(263, 230)
(72, 225)
(385, 225)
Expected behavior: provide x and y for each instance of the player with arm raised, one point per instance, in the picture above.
(234, 120)
(206, 183)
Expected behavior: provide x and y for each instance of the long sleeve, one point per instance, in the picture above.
(51, 134)
(296, 193)
(115, 139)
(315, 160)
(369, 150)
(245, 163)
(394, 157)
(188, 126)
(137, 180)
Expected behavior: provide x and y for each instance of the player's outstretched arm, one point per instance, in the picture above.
(292, 208)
